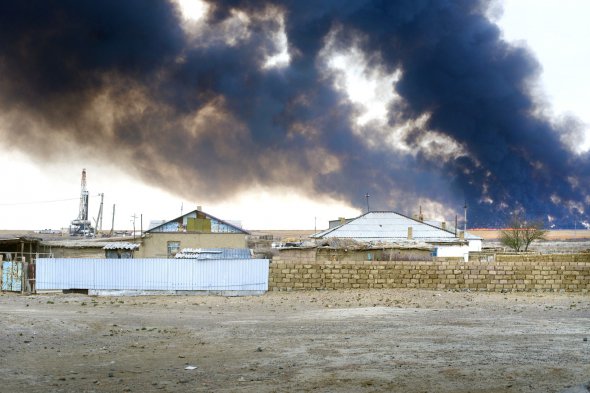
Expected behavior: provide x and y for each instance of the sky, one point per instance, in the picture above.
(555, 31)
(42, 191)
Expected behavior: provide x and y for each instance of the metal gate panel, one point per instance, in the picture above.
(153, 274)
(12, 275)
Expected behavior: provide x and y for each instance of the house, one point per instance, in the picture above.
(196, 229)
(389, 226)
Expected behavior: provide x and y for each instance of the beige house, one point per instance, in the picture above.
(196, 229)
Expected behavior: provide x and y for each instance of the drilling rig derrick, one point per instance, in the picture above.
(81, 225)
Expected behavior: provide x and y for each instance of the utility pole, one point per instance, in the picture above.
(368, 208)
(99, 219)
(465, 217)
(133, 217)
(113, 223)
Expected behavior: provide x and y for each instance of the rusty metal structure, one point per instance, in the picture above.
(18, 255)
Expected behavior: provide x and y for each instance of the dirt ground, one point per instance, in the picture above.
(317, 341)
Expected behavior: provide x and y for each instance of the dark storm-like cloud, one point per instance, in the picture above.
(200, 113)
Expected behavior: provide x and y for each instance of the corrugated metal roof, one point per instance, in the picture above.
(121, 246)
(385, 226)
(74, 243)
(82, 243)
(10, 238)
(214, 253)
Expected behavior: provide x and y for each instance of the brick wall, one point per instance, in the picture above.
(569, 272)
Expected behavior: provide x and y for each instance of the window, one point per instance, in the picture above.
(173, 248)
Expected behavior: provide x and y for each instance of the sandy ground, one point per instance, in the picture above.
(317, 341)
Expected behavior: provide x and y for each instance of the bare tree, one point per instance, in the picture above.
(521, 233)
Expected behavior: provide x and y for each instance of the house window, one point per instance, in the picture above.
(173, 249)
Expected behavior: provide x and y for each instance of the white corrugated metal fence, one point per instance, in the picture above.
(152, 274)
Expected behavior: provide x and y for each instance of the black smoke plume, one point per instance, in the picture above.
(197, 111)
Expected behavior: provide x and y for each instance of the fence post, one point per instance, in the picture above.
(23, 275)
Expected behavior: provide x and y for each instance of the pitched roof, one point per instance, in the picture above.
(217, 225)
(389, 225)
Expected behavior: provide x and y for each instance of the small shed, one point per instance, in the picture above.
(19, 248)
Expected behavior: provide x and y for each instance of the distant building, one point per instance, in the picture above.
(392, 227)
(338, 222)
(195, 229)
(155, 223)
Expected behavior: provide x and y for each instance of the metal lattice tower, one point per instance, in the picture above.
(83, 210)
(81, 225)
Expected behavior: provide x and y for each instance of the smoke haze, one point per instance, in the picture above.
(210, 108)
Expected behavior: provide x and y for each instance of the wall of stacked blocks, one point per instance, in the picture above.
(559, 272)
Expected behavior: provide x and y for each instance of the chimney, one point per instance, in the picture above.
(443, 226)
(462, 235)
(342, 220)
(199, 208)
(410, 233)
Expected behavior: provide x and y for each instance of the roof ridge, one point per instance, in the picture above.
(424, 229)
(206, 214)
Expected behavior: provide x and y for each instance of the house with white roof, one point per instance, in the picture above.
(392, 227)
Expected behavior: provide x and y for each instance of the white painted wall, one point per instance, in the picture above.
(475, 245)
(453, 251)
(459, 251)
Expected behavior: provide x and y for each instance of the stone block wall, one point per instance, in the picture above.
(568, 272)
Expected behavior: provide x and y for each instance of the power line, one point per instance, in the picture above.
(41, 202)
